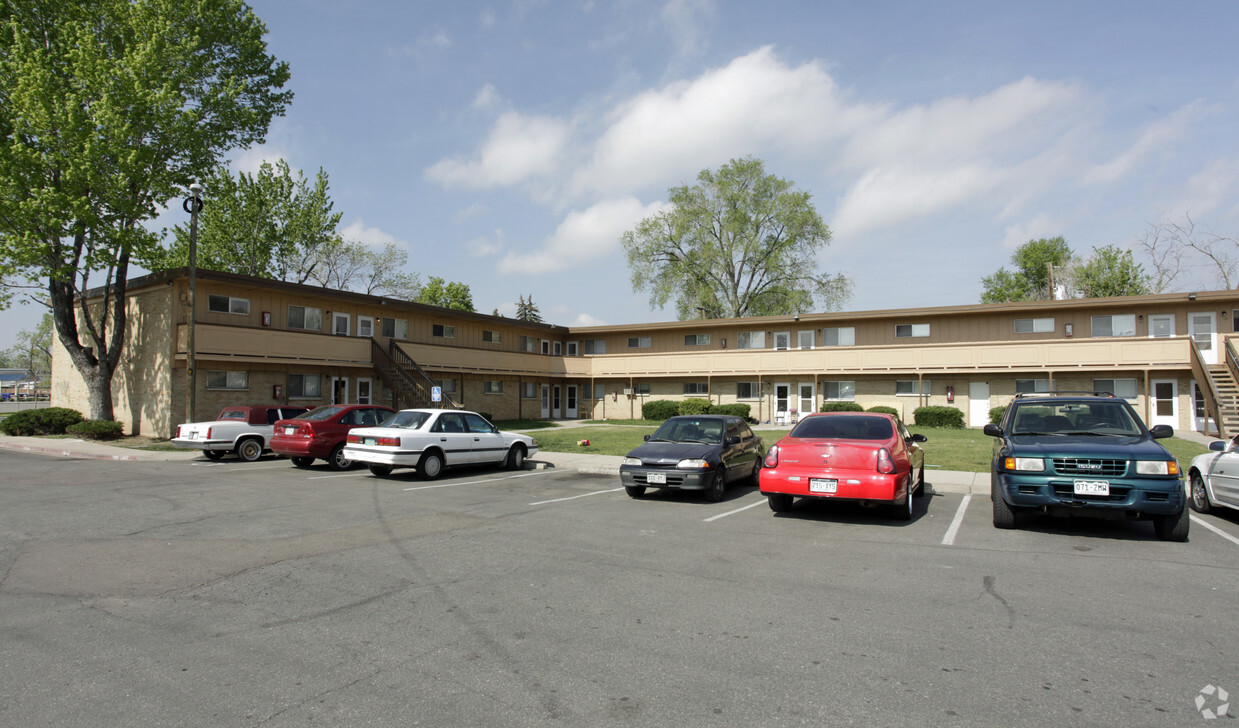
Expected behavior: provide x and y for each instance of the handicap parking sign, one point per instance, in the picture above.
(436, 394)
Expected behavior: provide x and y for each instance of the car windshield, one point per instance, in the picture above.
(406, 420)
(844, 427)
(690, 429)
(319, 414)
(1104, 417)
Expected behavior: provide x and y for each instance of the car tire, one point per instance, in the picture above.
(1199, 495)
(902, 511)
(249, 449)
(1004, 514)
(516, 458)
(779, 502)
(302, 462)
(213, 454)
(634, 491)
(430, 467)
(755, 478)
(717, 489)
(380, 470)
(336, 460)
(920, 483)
(1173, 527)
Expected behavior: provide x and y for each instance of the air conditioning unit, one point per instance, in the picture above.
(628, 391)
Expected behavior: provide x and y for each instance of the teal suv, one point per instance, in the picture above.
(1084, 454)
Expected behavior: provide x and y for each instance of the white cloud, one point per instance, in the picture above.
(1040, 226)
(487, 97)
(486, 247)
(519, 148)
(370, 236)
(689, 23)
(472, 210)
(585, 235)
(250, 160)
(1215, 188)
(1154, 138)
(584, 319)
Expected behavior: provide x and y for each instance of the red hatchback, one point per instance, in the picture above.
(858, 456)
(320, 433)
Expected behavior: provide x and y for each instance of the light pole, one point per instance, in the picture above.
(192, 205)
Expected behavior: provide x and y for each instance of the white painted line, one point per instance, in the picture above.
(339, 475)
(1216, 530)
(574, 497)
(949, 538)
(478, 482)
(732, 513)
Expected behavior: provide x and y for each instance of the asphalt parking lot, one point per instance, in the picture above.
(224, 593)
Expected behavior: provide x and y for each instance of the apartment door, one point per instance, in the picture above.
(364, 395)
(806, 398)
(978, 404)
(782, 402)
(365, 326)
(571, 410)
(546, 401)
(339, 390)
(1165, 410)
(556, 394)
(1202, 327)
(339, 325)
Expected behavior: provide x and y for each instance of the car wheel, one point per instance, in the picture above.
(430, 466)
(516, 457)
(755, 478)
(337, 461)
(718, 486)
(1173, 527)
(779, 502)
(302, 462)
(1200, 496)
(1004, 515)
(213, 454)
(634, 491)
(920, 483)
(902, 511)
(380, 470)
(249, 449)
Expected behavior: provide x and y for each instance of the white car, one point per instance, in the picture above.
(1214, 477)
(433, 439)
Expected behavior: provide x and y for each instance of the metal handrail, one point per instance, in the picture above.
(1213, 406)
(405, 363)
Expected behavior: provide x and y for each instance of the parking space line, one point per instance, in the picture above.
(732, 513)
(476, 482)
(574, 497)
(338, 475)
(949, 538)
(1216, 530)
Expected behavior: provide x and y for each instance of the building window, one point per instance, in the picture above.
(805, 339)
(600, 390)
(1034, 326)
(529, 344)
(595, 346)
(228, 304)
(1125, 388)
(443, 331)
(1120, 325)
(748, 390)
(492, 387)
(751, 340)
(843, 336)
(642, 388)
(782, 340)
(910, 387)
(907, 331)
(546, 347)
(1025, 386)
(447, 385)
(395, 328)
(696, 339)
(696, 388)
(227, 380)
(304, 385)
(638, 342)
(304, 317)
(573, 349)
(529, 390)
(838, 390)
(492, 337)
(558, 347)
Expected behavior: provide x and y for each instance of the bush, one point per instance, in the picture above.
(736, 410)
(996, 413)
(884, 410)
(841, 407)
(50, 421)
(694, 406)
(659, 409)
(946, 417)
(96, 429)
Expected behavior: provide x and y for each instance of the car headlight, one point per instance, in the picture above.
(692, 464)
(1157, 467)
(1031, 465)
(630, 461)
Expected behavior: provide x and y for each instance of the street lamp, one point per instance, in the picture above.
(192, 205)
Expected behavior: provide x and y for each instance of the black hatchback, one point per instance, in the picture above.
(694, 452)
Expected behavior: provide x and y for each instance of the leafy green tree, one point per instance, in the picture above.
(108, 109)
(738, 243)
(527, 310)
(33, 350)
(438, 292)
(349, 265)
(1030, 281)
(1111, 271)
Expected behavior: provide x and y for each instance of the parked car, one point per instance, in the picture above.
(6, 396)
(867, 457)
(1214, 477)
(433, 439)
(1084, 454)
(694, 452)
(242, 429)
(320, 433)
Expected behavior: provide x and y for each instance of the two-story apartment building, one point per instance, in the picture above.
(258, 340)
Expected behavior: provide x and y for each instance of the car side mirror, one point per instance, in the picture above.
(992, 430)
(1219, 446)
(647, 438)
(917, 437)
(1160, 431)
(733, 439)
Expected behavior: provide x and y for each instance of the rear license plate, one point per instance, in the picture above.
(660, 478)
(290, 430)
(1092, 487)
(369, 441)
(823, 485)
(192, 436)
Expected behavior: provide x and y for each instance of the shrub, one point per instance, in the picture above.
(736, 410)
(96, 429)
(659, 409)
(841, 407)
(996, 413)
(50, 421)
(694, 406)
(884, 410)
(947, 417)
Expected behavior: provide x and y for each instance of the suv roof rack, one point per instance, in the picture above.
(1064, 393)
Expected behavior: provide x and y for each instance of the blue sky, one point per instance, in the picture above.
(508, 145)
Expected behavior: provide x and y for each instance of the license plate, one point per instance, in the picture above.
(290, 430)
(823, 485)
(1092, 487)
(193, 436)
(369, 441)
(656, 478)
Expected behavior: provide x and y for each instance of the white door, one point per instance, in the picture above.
(365, 326)
(546, 401)
(782, 402)
(339, 325)
(978, 404)
(556, 393)
(339, 390)
(1165, 405)
(571, 410)
(806, 399)
(1202, 327)
(363, 392)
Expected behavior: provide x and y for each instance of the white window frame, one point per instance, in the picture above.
(914, 331)
(696, 389)
(443, 331)
(696, 339)
(810, 334)
(642, 342)
(915, 386)
(641, 389)
(599, 346)
(1043, 325)
(305, 317)
(751, 340)
(754, 391)
(400, 328)
(546, 347)
(843, 336)
(492, 387)
(557, 348)
(305, 379)
(233, 380)
(1031, 385)
(1122, 322)
(365, 326)
(529, 344)
(844, 390)
(782, 340)
(492, 337)
(235, 306)
(573, 348)
(336, 318)
(1130, 384)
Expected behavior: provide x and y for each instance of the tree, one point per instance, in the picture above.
(1168, 242)
(354, 266)
(453, 295)
(527, 310)
(738, 243)
(268, 225)
(1110, 271)
(109, 109)
(33, 350)
(1030, 281)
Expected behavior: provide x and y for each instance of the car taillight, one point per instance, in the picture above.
(353, 439)
(389, 441)
(772, 457)
(208, 435)
(885, 464)
(178, 431)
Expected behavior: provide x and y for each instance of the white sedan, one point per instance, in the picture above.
(433, 439)
(1214, 477)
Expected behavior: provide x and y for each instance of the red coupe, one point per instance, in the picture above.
(320, 433)
(857, 456)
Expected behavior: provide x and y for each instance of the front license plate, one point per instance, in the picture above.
(1092, 487)
(823, 485)
(660, 478)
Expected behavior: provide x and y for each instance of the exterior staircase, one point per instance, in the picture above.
(408, 383)
(1228, 395)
